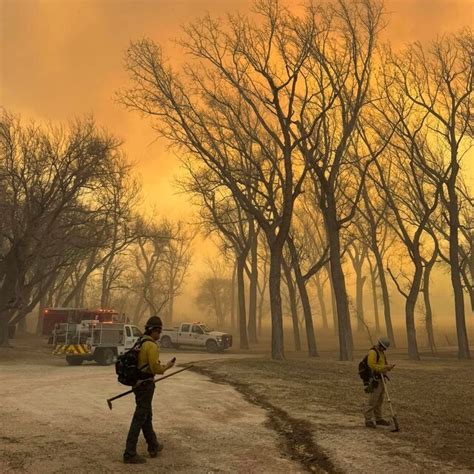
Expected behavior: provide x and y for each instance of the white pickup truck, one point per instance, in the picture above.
(93, 340)
(195, 334)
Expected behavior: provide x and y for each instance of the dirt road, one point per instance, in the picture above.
(54, 418)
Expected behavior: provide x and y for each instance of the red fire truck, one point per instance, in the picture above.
(52, 317)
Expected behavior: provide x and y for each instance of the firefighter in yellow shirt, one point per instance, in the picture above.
(149, 363)
(377, 362)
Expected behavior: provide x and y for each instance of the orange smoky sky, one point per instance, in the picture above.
(64, 58)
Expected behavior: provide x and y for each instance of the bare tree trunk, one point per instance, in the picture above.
(357, 254)
(293, 306)
(453, 210)
(252, 324)
(244, 343)
(322, 303)
(428, 310)
(373, 284)
(7, 290)
(303, 291)
(410, 312)
(260, 316)
(335, 323)
(261, 300)
(386, 297)
(339, 283)
(308, 316)
(274, 283)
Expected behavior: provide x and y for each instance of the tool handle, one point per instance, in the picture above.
(109, 400)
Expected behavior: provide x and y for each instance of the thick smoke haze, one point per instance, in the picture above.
(61, 59)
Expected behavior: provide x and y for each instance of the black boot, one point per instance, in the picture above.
(155, 450)
(137, 459)
(383, 422)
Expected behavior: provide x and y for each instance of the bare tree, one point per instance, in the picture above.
(438, 83)
(232, 111)
(177, 260)
(221, 213)
(49, 178)
(337, 77)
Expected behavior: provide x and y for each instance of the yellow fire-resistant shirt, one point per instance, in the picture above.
(149, 354)
(372, 361)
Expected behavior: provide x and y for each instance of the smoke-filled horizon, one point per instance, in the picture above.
(66, 60)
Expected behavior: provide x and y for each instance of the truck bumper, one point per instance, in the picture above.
(225, 343)
(72, 349)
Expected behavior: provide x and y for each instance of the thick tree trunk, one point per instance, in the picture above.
(322, 303)
(274, 285)
(428, 310)
(410, 312)
(385, 297)
(335, 323)
(308, 316)
(244, 343)
(252, 324)
(339, 283)
(303, 291)
(373, 284)
(261, 301)
(453, 210)
(293, 306)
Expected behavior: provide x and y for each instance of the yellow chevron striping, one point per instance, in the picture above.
(74, 349)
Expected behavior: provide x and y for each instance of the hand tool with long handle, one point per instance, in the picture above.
(394, 416)
(110, 400)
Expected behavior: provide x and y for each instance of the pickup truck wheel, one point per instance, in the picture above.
(211, 345)
(165, 342)
(105, 357)
(73, 360)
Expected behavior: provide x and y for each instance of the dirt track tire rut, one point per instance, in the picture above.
(295, 434)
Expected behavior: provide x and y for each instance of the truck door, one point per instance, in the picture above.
(136, 333)
(198, 335)
(129, 341)
(184, 334)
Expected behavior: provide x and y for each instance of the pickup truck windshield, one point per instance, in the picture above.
(206, 328)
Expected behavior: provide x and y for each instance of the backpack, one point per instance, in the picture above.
(365, 372)
(126, 367)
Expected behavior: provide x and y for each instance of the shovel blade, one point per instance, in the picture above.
(395, 423)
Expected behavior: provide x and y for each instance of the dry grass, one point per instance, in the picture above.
(433, 398)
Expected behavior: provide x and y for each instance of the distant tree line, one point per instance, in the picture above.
(70, 231)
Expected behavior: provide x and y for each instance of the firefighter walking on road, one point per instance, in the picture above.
(378, 367)
(148, 361)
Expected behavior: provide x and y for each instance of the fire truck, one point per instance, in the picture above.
(53, 317)
(94, 341)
